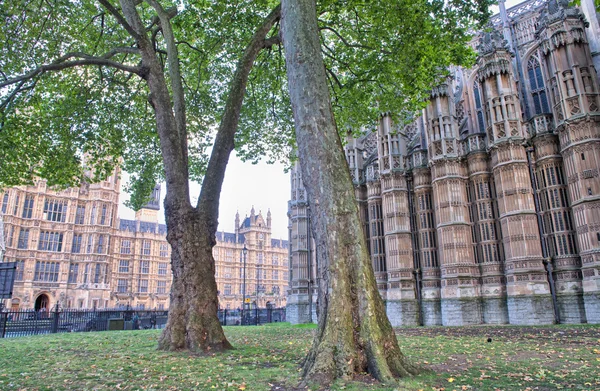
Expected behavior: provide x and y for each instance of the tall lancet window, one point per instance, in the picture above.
(479, 107)
(536, 84)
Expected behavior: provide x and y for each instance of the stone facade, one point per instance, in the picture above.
(486, 208)
(71, 248)
(266, 264)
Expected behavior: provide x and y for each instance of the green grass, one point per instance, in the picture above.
(267, 357)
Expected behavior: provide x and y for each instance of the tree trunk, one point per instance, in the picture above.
(354, 333)
(193, 323)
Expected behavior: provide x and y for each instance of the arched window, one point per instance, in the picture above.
(537, 89)
(479, 107)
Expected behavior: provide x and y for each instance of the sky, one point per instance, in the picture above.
(509, 3)
(262, 185)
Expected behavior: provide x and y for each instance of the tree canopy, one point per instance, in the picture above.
(380, 57)
(69, 88)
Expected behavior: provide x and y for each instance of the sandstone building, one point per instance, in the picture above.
(71, 248)
(485, 209)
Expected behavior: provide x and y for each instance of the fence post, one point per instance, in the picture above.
(55, 320)
(3, 319)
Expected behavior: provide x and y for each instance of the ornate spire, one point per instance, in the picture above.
(557, 10)
(491, 41)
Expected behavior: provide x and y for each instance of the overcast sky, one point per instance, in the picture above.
(262, 186)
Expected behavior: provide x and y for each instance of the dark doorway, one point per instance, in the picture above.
(42, 302)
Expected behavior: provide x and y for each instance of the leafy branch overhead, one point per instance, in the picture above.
(72, 85)
(380, 57)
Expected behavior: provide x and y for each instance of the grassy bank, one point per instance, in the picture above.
(267, 357)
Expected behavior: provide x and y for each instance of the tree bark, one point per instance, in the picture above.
(354, 333)
(193, 323)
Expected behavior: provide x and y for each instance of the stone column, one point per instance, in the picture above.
(297, 308)
(460, 288)
(376, 234)
(529, 300)
(401, 300)
(593, 29)
(557, 226)
(488, 252)
(428, 247)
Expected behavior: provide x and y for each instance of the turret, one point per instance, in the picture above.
(149, 212)
(237, 226)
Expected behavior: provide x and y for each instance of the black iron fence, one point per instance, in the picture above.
(30, 322)
(253, 316)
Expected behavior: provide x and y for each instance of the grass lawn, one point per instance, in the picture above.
(266, 358)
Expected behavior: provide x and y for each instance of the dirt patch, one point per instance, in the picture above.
(365, 379)
(456, 363)
(283, 387)
(537, 334)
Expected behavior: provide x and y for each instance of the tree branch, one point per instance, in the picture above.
(165, 17)
(120, 19)
(352, 45)
(82, 60)
(334, 76)
(190, 46)
(208, 202)
(12, 95)
(270, 42)
(171, 12)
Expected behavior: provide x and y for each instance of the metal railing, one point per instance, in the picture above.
(253, 316)
(58, 320)
(30, 322)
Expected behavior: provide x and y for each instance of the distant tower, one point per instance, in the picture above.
(237, 226)
(252, 216)
(269, 218)
(149, 212)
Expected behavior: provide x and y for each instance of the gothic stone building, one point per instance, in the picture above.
(485, 209)
(72, 249)
(266, 264)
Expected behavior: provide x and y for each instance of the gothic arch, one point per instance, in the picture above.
(475, 119)
(535, 75)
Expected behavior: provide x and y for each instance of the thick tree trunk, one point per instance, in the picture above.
(193, 323)
(354, 334)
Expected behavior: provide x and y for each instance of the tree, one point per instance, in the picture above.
(354, 333)
(72, 95)
(146, 81)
